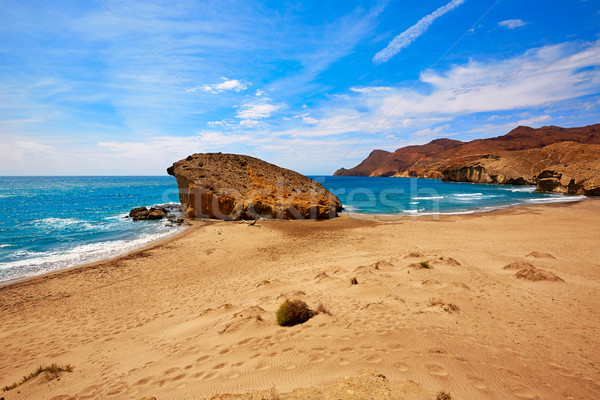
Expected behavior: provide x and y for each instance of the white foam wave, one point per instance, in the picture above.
(43, 262)
(427, 197)
(5, 245)
(561, 199)
(524, 189)
(467, 194)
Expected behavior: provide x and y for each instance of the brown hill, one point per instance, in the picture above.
(518, 157)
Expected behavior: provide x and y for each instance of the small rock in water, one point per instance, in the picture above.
(143, 213)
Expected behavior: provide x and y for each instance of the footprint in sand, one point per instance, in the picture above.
(316, 359)
(287, 349)
(233, 375)
(225, 351)
(477, 383)
(523, 392)
(262, 367)
(436, 370)
(118, 389)
(178, 378)
(143, 381)
(347, 350)
(198, 375)
(373, 358)
(245, 341)
(171, 371)
(219, 366)
(401, 367)
(203, 358)
(211, 376)
(238, 364)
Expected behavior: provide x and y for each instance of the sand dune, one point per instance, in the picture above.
(194, 316)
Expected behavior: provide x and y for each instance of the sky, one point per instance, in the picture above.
(128, 87)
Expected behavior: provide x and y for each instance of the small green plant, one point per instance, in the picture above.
(425, 264)
(293, 312)
(443, 396)
(53, 370)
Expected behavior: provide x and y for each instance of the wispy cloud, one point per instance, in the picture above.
(226, 85)
(404, 39)
(512, 23)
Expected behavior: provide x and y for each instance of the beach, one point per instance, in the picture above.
(434, 310)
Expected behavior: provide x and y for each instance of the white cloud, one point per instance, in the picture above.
(512, 23)
(540, 76)
(404, 39)
(226, 85)
(255, 111)
(533, 121)
(430, 132)
(259, 93)
(371, 89)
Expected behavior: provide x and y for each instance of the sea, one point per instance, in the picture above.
(52, 223)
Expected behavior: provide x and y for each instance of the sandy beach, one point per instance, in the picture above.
(193, 317)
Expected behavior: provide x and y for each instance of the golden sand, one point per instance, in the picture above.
(194, 316)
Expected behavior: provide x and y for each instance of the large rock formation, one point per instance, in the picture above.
(232, 186)
(557, 159)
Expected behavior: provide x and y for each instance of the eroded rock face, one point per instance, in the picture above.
(232, 186)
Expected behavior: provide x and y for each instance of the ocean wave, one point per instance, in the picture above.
(427, 197)
(37, 263)
(467, 194)
(561, 199)
(5, 245)
(525, 189)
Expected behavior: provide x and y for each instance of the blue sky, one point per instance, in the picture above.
(128, 87)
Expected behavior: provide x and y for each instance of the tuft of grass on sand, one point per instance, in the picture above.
(425, 264)
(322, 310)
(448, 307)
(53, 370)
(294, 312)
(353, 281)
(443, 396)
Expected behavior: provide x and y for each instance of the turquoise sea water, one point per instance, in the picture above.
(413, 196)
(50, 223)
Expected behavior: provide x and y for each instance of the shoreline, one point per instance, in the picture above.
(376, 218)
(146, 246)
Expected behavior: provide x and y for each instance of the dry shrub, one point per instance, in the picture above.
(443, 396)
(293, 312)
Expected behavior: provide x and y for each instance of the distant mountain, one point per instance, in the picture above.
(519, 157)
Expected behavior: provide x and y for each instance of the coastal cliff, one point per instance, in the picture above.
(232, 187)
(563, 160)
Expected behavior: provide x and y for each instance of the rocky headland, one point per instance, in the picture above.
(563, 160)
(233, 187)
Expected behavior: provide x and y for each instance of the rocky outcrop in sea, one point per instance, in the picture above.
(233, 187)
